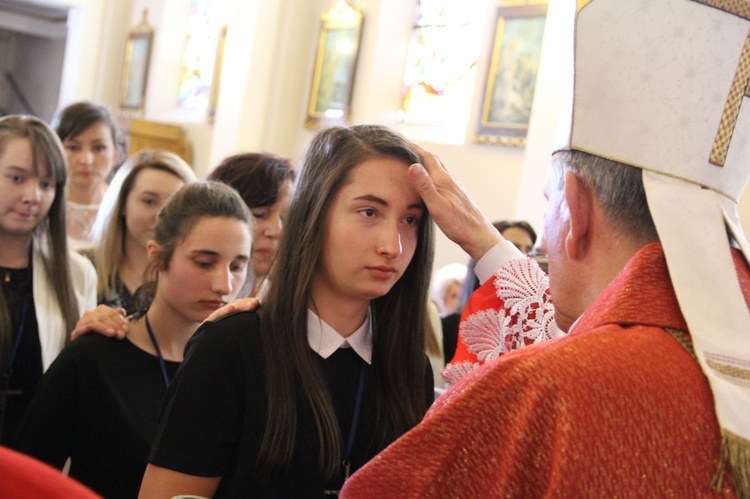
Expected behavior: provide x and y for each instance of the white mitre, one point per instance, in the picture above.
(663, 85)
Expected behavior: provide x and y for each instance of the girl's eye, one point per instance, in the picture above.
(203, 264)
(238, 267)
(71, 147)
(412, 220)
(368, 212)
(260, 215)
(100, 148)
(16, 179)
(47, 184)
(148, 201)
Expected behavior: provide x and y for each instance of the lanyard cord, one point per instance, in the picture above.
(355, 417)
(158, 351)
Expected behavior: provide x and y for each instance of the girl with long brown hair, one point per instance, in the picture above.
(44, 287)
(291, 399)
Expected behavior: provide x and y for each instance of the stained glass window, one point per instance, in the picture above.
(441, 62)
(198, 60)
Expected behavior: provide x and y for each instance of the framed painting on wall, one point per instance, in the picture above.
(335, 66)
(135, 69)
(511, 77)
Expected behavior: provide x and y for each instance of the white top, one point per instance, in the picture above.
(494, 258)
(325, 340)
(52, 327)
(80, 220)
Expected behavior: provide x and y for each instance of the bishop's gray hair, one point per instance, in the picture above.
(618, 189)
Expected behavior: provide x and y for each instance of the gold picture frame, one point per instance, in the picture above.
(136, 67)
(335, 66)
(511, 78)
(216, 80)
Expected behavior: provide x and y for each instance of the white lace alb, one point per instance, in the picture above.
(526, 316)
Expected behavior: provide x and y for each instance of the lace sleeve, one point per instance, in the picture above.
(521, 314)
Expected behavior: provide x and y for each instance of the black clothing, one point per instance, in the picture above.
(120, 296)
(215, 413)
(99, 404)
(450, 335)
(26, 370)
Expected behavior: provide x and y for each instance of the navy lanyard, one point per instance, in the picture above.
(158, 352)
(355, 418)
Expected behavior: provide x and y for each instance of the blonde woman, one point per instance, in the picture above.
(126, 222)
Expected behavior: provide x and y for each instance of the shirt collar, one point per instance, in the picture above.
(325, 340)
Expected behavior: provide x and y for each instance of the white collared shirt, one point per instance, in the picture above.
(325, 340)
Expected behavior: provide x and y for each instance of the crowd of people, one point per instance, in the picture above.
(275, 329)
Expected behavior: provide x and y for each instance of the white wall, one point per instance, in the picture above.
(266, 80)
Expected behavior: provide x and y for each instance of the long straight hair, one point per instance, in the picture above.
(110, 227)
(398, 317)
(49, 237)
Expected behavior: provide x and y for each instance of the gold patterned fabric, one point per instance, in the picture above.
(618, 408)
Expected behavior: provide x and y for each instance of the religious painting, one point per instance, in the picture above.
(335, 66)
(135, 69)
(511, 77)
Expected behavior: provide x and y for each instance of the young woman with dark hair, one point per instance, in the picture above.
(44, 288)
(93, 146)
(99, 402)
(265, 183)
(291, 399)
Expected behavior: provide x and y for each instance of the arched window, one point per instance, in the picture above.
(205, 22)
(441, 62)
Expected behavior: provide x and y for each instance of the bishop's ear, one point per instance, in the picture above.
(580, 201)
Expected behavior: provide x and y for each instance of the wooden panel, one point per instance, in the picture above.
(144, 134)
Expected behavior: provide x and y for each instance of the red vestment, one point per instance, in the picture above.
(23, 477)
(618, 408)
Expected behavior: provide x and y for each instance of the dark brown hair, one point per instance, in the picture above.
(77, 117)
(257, 177)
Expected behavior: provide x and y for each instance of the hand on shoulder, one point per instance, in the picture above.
(104, 320)
(238, 305)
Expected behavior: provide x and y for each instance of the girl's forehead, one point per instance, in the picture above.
(24, 153)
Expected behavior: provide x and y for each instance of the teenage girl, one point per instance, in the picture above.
(289, 400)
(99, 402)
(44, 288)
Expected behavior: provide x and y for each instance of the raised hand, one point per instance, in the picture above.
(452, 208)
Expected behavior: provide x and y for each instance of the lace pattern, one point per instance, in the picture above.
(525, 316)
(80, 223)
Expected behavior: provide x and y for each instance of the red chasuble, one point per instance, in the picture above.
(618, 408)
